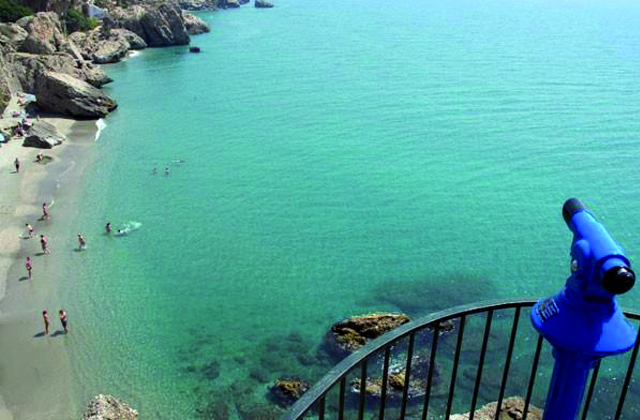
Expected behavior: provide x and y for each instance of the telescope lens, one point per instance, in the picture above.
(571, 207)
(618, 280)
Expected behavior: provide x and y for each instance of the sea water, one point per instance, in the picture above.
(328, 159)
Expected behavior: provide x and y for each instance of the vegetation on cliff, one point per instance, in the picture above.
(77, 21)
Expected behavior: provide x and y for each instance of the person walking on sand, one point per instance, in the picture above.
(45, 318)
(45, 211)
(29, 230)
(45, 245)
(82, 244)
(17, 164)
(63, 320)
(28, 266)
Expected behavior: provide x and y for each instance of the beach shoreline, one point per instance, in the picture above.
(35, 380)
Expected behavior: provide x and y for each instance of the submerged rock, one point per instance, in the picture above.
(43, 136)
(64, 94)
(286, 391)
(106, 407)
(352, 333)
(512, 409)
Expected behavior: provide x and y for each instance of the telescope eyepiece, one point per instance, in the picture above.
(618, 280)
(571, 207)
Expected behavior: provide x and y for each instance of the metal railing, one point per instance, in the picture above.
(420, 362)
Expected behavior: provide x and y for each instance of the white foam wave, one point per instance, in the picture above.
(100, 125)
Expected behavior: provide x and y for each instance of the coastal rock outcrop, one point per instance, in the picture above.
(11, 33)
(28, 66)
(352, 333)
(286, 391)
(64, 94)
(101, 47)
(43, 136)
(106, 407)
(197, 4)
(195, 25)
(44, 33)
(159, 24)
(263, 4)
(511, 408)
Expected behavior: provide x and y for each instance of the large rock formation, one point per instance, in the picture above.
(43, 135)
(64, 94)
(197, 4)
(106, 407)
(58, 6)
(44, 33)
(511, 409)
(101, 47)
(159, 24)
(11, 33)
(352, 333)
(195, 25)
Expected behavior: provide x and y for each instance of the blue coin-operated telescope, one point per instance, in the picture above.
(583, 322)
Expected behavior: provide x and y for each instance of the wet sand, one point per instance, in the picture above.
(34, 367)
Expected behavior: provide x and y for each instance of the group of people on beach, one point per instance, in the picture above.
(63, 320)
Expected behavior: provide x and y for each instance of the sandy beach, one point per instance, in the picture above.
(34, 370)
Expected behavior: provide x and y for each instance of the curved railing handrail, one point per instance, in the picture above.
(345, 366)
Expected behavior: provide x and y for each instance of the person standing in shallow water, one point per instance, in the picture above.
(45, 245)
(108, 227)
(45, 318)
(17, 164)
(63, 321)
(45, 211)
(82, 244)
(28, 266)
(29, 230)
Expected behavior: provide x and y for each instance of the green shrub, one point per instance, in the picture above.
(10, 12)
(77, 21)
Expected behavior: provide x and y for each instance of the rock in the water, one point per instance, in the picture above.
(263, 4)
(106, 407)
(110, 47)
(352, 333)
(286, 391)
(44, 33)
(64, 94)
(233, 4)
(43, 136)
(158, 24)
(135, 42)
(195, 25)
(512, 409)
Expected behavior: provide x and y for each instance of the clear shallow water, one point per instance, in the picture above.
(337, 156)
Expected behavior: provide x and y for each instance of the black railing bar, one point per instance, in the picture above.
(363, 381)
(341, 398)
(454, 370)
(507, 363)
(627, 379)
(385, 378)
(321, 408)
(633, 315)
(532, 378)
(432, 360)
(346, 365)
(407, 375)
(592, 386)
(485, 340)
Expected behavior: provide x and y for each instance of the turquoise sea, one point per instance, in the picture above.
(341, 157)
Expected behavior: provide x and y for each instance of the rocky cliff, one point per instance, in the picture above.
(106, 407)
